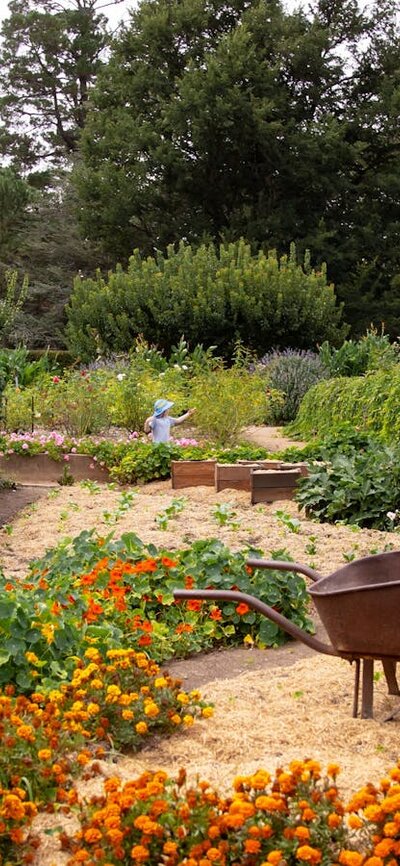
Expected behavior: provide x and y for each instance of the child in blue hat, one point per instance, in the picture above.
(159, 424)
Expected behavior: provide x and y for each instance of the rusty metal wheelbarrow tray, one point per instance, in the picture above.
(359, 605)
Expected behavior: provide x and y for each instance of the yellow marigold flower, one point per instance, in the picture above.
(354, 822)
(183, 698)
(32, 658)
(310, 855)
(350, 858)
(114, 690)
(260, 780)
(47, 631)
(141, 728)
(269, 803)
(97, 683)
(93, 653)
(207, 712)
(175, 719)
(195, 695)
(188, 720)
(44, 754)
(25, 732)
(151, 710)
(127, 715)
(373, 813)
(125, 700)
(391, 803)
(160, 683)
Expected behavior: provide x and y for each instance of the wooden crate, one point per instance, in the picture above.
(272, 485)
(235, 476)
(192, 473)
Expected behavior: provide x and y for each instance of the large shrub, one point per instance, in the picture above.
(211, 295)
(293, 373)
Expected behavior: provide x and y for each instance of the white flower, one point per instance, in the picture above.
(391, 515)
(121, 376)
(184, 366)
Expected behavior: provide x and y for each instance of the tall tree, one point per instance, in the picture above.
(272, 125)
(49, 59)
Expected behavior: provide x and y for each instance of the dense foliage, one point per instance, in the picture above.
(359, 487)
(119, 594)
(292, 373)
(370, 403)
(211, 295)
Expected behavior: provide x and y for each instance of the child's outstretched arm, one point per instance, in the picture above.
(184, 417)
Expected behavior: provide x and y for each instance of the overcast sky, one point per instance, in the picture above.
(118, 12)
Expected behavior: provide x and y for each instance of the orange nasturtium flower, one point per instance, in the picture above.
(242, 608)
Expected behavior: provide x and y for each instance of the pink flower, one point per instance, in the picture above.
(73, 450)
(25, 446)
(66, 457)
(55, 379)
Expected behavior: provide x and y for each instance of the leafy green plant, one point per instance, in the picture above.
(356, 357)
(175, 507)
(224, 513)
(291, 523)
(361, 488)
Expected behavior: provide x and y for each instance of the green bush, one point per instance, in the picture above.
(369, 403)
(293, 373)
(356, 357)
(212, 296)
(362, 487)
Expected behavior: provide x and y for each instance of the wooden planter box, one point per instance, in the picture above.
(41, 469)
(192, 473)
(273, 485)
(237, 476)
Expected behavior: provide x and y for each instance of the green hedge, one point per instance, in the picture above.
(370, 403)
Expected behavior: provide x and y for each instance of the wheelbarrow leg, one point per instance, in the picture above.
(367, 698)
(356, 689)
(389, 667)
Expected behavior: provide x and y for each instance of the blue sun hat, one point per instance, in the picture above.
(161, 406)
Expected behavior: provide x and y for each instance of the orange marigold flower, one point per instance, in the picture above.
(274, 857)
(384, 848)
(242, 608)
(141, 728)
(373, 861)
(310, 855)
(334, 820)
(302, 832)
(44, 754)
(333, 770)
(213, 855)
(350, 858)
(92, 835)
(354, 822)
(140, 853)
(252, 846)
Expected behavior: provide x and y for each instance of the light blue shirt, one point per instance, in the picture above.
(160, 428)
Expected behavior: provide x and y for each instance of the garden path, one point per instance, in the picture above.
(272, 438)
(270, 706)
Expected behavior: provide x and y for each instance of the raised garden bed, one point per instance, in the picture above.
(41, 469)
(237, 476)
(272, 485)
(192, 473)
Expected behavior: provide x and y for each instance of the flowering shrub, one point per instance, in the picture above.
(119, 593)
(122, 698)
(293, 373)
(294, 818)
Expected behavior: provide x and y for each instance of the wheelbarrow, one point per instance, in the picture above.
(359, 605)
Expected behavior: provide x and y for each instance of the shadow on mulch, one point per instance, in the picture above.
(14, 500)
(225, 664)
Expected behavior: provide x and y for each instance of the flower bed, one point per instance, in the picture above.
(119, 593)
(127, 459)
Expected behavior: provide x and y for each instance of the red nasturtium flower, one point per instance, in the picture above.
(216, 614)
(242, 608)
(194, 604)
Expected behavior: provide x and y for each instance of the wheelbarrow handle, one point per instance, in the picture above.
(258, 605)
(279, 565)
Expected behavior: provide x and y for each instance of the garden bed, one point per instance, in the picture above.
(41, 469)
